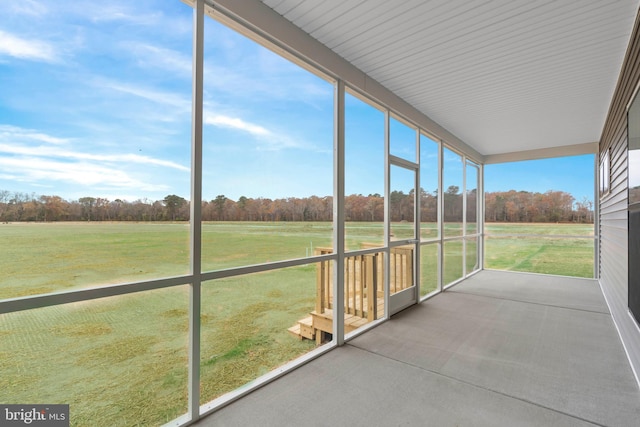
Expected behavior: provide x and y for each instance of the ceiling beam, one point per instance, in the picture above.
(543, 153)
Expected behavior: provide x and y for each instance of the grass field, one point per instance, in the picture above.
(123, 360)
(542, 253)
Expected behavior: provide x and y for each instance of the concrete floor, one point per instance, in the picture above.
(499, 349)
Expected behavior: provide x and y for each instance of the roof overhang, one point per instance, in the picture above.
(499, 81)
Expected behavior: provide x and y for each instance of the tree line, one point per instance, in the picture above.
(510, 206)
(524, 206)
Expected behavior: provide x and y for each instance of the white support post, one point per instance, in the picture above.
(480, 216)
(596, 217)
(387, 213)
(464, 216)
(338, 213)
(196, 214)
(417, 221)
(440, 208)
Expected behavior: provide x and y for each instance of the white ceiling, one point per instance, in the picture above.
(502, 75)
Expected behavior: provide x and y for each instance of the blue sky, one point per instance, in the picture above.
(96, 101)
(574, 174)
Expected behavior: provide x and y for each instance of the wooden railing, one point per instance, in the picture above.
(364, 280)
(401, 269)
(363, 291)
(361, 278)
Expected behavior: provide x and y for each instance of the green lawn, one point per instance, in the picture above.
(542, 253)
(123, 360)
(42, 258)
(38, 258)
(115, 361)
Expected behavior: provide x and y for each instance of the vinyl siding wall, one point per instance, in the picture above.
(613, 206)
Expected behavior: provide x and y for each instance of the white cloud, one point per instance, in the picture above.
(14, 133)
(110, 158)
(19, 141)
(38, 170)
(167, 98)
(123, 12)
(235, 123)
(18, 47)
(267, 139)
(158, 57)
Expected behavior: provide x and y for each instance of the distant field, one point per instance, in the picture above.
(123, 360)
(543, 253)
(39, 258)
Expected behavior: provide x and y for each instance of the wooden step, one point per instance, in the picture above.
(295, 331)
(324, 321)
(318, 324)
(306, 328)
(303, 329)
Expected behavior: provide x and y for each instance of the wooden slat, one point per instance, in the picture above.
(319, 287)
(363, 286)
(370, 277)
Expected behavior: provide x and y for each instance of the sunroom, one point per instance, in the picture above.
(361, 279)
